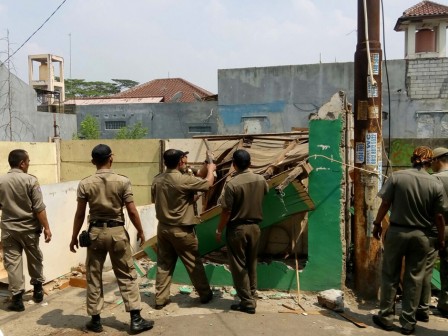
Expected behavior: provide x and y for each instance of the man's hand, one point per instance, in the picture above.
(47, 235)
(211, 166)
(141, 237)
(73, 244)
(377, 231)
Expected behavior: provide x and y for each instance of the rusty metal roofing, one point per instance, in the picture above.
(424, 9)
(171, 89)
(110, 101)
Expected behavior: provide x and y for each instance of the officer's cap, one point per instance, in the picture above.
(439, 152)
(172, 156)
(101, 152)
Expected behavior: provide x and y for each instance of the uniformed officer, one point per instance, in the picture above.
(173, 195)
(417, 201)
(241, 204)
(440, 167)
(107, 193)
(23, 219)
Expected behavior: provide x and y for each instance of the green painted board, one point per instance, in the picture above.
(435, 281)
(275, 210)
(325, 252)
(325, 264)
(275, 275)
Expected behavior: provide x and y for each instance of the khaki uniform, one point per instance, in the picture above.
(443, 298)
(107, 193)
(173, 195)
(20, 199)
(243, 196)
(416, 197)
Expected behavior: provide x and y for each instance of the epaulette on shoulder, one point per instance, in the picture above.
(32, 175)
(123, 175)
(85, 177)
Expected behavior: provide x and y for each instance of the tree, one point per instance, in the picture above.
(81, 88)
(137, 131)
(90, 128)
(123, 84)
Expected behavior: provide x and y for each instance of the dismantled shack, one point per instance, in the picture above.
(282, 160)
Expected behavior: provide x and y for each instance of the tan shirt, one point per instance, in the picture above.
(243, 196)
(173, 195)
(20, 199)
(106, 193)
(415, 198)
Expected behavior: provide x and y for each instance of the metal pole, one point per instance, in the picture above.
(368, 142)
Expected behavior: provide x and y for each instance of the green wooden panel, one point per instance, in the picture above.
(435, 281)
(275, 275)
(276, 208)
(325, 260)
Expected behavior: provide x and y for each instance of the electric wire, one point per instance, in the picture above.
(389, 164)
(29, 38)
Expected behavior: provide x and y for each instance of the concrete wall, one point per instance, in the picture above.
(281, 97)
(284, 95)
(137, 159)
(60, 200)
(163, 120)
(18, 108)
(43, 156)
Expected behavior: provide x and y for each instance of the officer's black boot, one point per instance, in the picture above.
(95, 324)
(17, 303)
(139, 324)
(38, 293)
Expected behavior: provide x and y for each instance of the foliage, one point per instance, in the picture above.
(82, 88)
(137, 131)
(123, 84)
(90, 128)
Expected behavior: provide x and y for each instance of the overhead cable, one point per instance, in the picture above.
(29, 38)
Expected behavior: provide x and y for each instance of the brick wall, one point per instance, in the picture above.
(427, 78)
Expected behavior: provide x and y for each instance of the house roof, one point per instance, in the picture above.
(112, 101)
(422, 10)
(171, 89)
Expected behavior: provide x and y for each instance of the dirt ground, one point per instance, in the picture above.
(63, 312)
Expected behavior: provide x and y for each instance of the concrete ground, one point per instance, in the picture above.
(63, 312)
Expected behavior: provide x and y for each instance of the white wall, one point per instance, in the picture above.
(60, 200)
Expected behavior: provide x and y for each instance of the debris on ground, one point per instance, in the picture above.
(332, 299)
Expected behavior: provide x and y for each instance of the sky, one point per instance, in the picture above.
(142, 40)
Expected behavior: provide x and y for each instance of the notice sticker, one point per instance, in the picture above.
(375, 59)
(362, 110)
(371, 148)
(360, 152)
(372, 90)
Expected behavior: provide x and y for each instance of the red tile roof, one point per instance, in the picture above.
(171, 89)
(424, 9)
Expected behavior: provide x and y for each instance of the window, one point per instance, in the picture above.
(199, 129)
(115, 125)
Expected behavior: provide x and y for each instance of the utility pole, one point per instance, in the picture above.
(368, 147)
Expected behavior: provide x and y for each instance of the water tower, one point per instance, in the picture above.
(425, 27)
(48, 81)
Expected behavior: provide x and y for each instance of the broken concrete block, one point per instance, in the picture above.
(185, 290)
(78, 282)
(62, 284)
(332, 299)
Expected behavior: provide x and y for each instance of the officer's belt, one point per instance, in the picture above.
(104, 223)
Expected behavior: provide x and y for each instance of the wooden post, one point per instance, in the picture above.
(368, 147)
